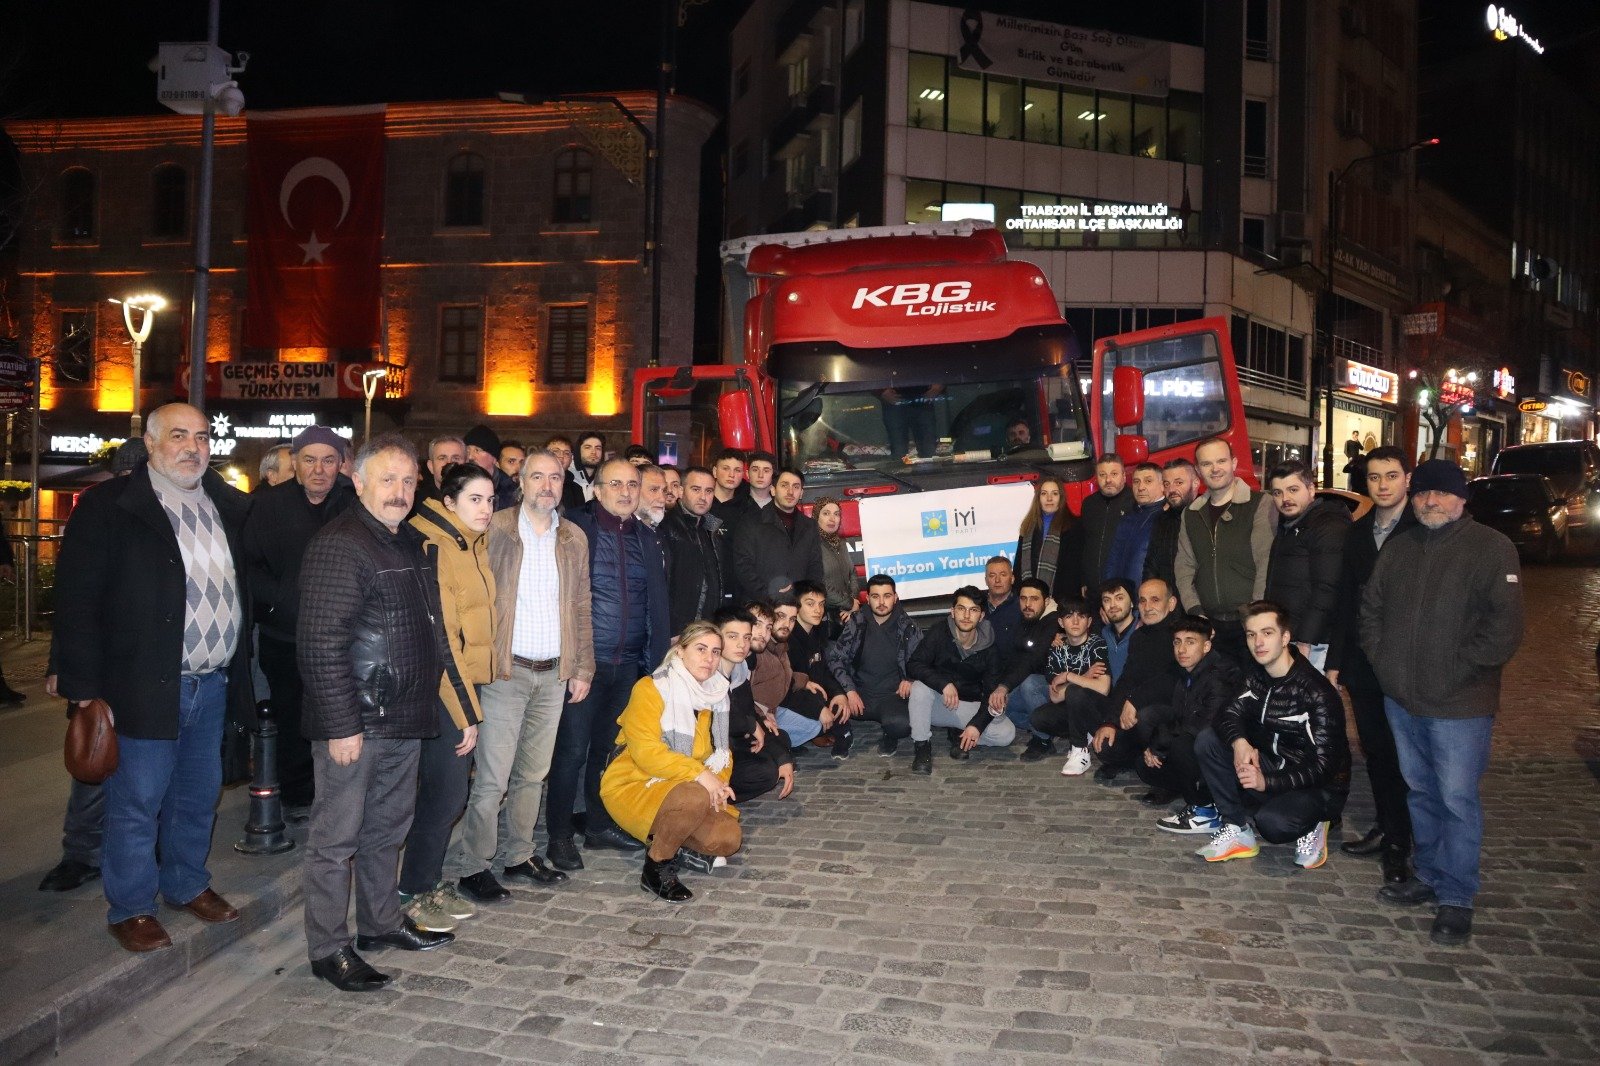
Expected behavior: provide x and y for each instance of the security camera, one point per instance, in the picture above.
(230, 101)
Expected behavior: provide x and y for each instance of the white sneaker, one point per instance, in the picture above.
(1191, 820)
(425, 911)
(1230, 842)
(1077, 763)
(1311, 850)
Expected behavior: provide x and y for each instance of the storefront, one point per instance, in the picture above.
(1548, 418)
(1275, 437)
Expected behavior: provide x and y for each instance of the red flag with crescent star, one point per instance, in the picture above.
(315, 181)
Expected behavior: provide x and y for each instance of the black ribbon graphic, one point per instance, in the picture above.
(971, 32)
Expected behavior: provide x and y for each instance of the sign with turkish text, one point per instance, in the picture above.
(1373, 382)
(285, 382)
(1505, 383)
(1454, 392)
(1532, 406)
(1081, 217)
(315, 186)
(932, 543)
(16, 377)
(1070, 55)
(1577, 383)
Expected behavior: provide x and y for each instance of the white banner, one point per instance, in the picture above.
(278, 381)
(1049, 51)
(932, 543)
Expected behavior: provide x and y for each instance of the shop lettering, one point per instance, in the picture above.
(921, 298)
(1096, 218)
(1505, 27)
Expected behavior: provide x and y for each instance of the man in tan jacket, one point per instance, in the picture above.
(543, 652)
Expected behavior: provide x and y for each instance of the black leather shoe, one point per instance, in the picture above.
(348, 972)
(1408, 893)
(12, 696)
(484, 888)
(1370, 844)
(1452, 926)
(563, 854)
(613, 838)
(662, 879)
(407, 938)
(1038, 748)
(922, 757)
(957, 752)
(534, 871)
(1157, 797)
(1396, 865)
(68, 875)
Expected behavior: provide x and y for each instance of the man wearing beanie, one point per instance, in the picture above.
(483, 448)
(1440, 617)
(283, 518)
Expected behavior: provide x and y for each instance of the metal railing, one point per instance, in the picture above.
(32, 595)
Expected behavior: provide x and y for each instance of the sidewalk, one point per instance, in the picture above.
(62, 971)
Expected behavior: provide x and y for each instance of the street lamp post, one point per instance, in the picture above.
(1336, 179)
(369, 386)
(144, 307)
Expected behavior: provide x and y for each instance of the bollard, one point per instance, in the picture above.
(264, 832)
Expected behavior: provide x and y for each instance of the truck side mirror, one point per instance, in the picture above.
(1127, 396)
(735, 421)
(1133, 448)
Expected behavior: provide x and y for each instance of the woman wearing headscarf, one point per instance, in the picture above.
(1050, 543)
(838, 572)
(667, 783)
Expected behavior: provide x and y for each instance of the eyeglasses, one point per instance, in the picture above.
(617, 484)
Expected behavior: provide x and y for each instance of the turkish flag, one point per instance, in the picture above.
(316, 228)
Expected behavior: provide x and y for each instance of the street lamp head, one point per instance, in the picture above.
(1412, 374)
(145, 302)
(1472, 377)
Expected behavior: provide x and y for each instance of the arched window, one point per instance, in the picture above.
(463, 190)
(169, 201)
(574, 184)
(77, 205)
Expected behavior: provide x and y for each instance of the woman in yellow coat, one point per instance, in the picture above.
(455, 529)
(668, 783)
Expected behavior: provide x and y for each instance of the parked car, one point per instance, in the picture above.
(1358, 503)
(1526, 508)
(1573, 467)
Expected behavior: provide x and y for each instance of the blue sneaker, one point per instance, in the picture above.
(1191, 820)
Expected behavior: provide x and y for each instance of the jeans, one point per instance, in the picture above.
(1279, 816)
(1442, 760)
(584, 740)
(1318, 657)
(83, 828)
(442, 778)
(164, 795)
(800, 728)
(1033, 693)
(515, 744)
(928, 710)
(358, 822)
(294, 751)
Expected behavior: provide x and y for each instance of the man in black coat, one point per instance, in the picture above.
(698, 573)
(1210, 682)
(1307, 553)
(151, 616)
(371, 649)
(953, 670)
(283, 518)
(1102, 512)
(1179, 483)
(1388, 478)
(761, 757)
(776, 546)
(483, 448)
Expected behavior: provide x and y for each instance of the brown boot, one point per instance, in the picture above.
(209, 907)
(140, 933)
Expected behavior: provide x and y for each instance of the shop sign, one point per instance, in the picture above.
(16, 377)
(1367, 269)
(1370, 381)
(1080, 217)
(1421, 324)
(1455, 392)
(284, 382)
(1531, 406)
(1049, 51)
(228, 428)
(1504, 26)
(1505, 384)
(1577, 383)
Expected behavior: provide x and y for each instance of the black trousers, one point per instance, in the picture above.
(1229, 641)
(1179, 772)
(1074, 718)
(754, 774)
(1383, 766)
(1279, 817)
(443, 778)
(805, 702)
(584, 740)
(295, 780)
(890, 712)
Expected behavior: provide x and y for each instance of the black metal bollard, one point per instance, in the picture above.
(264, 832)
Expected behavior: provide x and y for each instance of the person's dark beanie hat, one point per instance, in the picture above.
(319, 435)
(483, 437)
(130, 453)
(1439, 475)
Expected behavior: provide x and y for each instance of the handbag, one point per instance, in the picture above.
(91, 750)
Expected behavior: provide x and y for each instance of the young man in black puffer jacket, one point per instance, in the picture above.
(952, 672)
(1168, 765)
(1307, 556)
(1277, 754)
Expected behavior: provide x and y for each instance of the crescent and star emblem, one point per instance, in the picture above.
(314, 167)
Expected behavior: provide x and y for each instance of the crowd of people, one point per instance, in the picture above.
(456, 642)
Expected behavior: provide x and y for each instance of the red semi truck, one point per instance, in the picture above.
(908, 359)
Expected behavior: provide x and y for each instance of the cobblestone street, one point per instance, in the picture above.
(998, 912)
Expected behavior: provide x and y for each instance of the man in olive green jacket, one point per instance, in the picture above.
(1224, 547)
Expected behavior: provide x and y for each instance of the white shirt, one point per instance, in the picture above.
(536, 622)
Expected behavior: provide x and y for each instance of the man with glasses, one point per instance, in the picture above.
(572, 494)
(628, 597)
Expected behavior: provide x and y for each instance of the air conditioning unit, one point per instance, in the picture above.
(1291, 255)
(1292, 228)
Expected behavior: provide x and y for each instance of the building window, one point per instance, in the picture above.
(574, 199)
(1253, 235)
(1002, 114)
(1267, 356)
(797, 76)
(566, 349)
(925, 92)
(1041, 112)
(1149, 127)
(75, 346)
(77, 205)
(1258, 29)
(460, 342)
(964, 105)
(463, 190)
(1116, 123)
(741, 80)
(850, 135)
(1257, 163)
(739, 159)
(1079, 118)
(855, 22)
(169, 201)
(162, 354)
(1183, 126)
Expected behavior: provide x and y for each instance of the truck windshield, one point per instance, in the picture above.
(1184, 396)
(832, 427)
